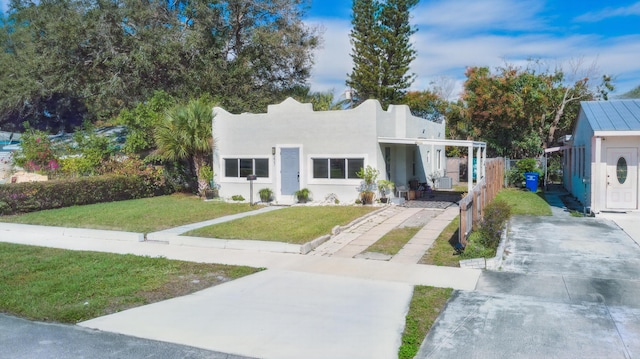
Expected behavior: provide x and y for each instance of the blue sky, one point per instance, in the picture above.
(454, 34)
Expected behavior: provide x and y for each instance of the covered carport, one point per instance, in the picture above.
(475, 150)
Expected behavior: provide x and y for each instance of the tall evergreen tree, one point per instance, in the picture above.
(396, 50)
(365, 39)
(382, 52)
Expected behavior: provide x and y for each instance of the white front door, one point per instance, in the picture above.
(622, 178)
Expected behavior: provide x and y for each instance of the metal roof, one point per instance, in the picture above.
(615, 115)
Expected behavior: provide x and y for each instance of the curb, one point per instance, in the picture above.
(490, 263)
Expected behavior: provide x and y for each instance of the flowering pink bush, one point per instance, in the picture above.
(36, 153)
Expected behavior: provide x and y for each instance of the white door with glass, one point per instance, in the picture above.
(622, 178)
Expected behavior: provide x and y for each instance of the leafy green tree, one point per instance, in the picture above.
(635, 93)
(142, 121)
(186, 134)
(322, 101)
(382, 52)
(425, 104)
(397, 51)
(68, 60)
(521, 111)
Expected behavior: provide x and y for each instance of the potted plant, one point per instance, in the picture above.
(385, 187)
(302, 195)
(368, 186)
(207, 174)
(265, 194)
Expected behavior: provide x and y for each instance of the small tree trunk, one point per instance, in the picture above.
(198, 162)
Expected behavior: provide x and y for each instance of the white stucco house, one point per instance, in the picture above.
(291, 146)
(601, 159)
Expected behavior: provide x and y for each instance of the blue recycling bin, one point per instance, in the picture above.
(531, 181)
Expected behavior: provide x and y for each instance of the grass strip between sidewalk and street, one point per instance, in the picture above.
(295, 225)
(392, 242)
(48, 284)
(139, 215)
(426, 304)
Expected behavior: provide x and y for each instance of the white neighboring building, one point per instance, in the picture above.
(292, 147)
(601, 161)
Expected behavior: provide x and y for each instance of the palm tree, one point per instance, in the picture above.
(185, 134)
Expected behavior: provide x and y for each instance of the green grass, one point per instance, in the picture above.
(523, 202)
(139, 215)
(475, 249)
(295, 225)
(441, 252)
(392, 242)
(426, 305)
(69, 286)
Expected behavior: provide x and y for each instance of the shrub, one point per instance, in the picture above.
(475, 248)
(265, 194)
(496, 215)
(36, 153)
(516, 175)
(237, 197)
(36, 196)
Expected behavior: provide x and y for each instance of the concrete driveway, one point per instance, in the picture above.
(568, 288)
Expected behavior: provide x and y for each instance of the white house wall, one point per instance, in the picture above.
(324, 134)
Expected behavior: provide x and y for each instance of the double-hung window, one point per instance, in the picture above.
(337, 168)
(243, 167)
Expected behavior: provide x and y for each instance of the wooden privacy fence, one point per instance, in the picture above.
(472, 206)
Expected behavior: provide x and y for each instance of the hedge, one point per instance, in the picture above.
(35, 196)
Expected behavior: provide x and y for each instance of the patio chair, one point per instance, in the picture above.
(401, 191)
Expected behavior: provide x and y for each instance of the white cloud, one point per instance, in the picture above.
(631, 10)
(332, 60)
(465, 15)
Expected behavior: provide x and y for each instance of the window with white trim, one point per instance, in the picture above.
(337, 168)
(243, 167)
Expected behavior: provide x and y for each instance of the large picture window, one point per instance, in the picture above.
(243, 167)
(337, 168)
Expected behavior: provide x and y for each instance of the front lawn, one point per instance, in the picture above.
(392, 242)
(58, 285)
(138, 215)
(296, 225)
(523, 202)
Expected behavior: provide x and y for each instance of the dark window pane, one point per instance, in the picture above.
(246, 167)
(338, 169)
(231, 167)
(355, 164)
(262, 167)
(621, 170)
(320, 168)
